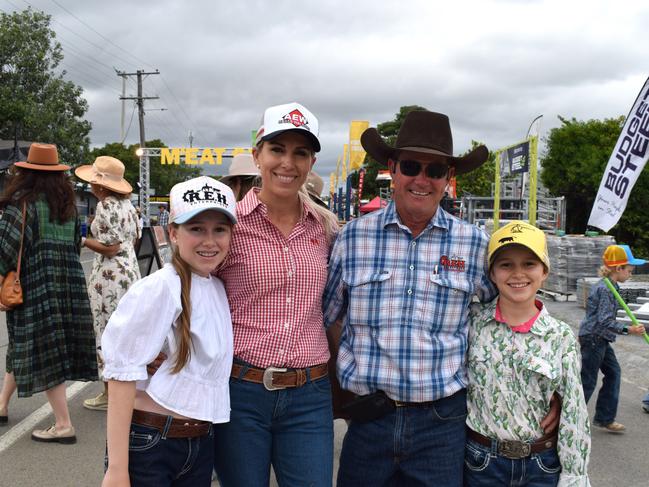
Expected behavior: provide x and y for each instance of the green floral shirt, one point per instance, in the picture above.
(512, 377)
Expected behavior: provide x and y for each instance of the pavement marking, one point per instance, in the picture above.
(30, 422)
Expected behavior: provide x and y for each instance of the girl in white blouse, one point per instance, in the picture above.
(159, 429)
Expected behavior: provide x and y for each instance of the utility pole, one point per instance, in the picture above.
(144, 158)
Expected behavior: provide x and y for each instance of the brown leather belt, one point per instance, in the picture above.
(515, 450)
(179, 428)
(274, 378)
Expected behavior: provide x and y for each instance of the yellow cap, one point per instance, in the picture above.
(520, 233)
(614, 255)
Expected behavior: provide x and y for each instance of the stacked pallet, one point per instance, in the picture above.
(630, 291)
(573, 257)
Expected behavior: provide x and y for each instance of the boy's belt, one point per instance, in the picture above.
(274, 378)
(513, 449)
(179, 428)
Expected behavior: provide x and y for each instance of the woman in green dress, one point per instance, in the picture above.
(51, 337)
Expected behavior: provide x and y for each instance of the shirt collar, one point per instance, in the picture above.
(251, 202)
(391, 217)
(539, 327)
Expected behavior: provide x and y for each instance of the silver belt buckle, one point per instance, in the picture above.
(268, 378)
(514, 450)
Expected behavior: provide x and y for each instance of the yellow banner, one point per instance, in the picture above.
(344, 171)
(332, 182)
(356, 151)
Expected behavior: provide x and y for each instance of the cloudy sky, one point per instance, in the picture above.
(491, 65)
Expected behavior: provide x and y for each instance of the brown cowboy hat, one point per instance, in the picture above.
(427, 132)
(106, 171)
(42, 157)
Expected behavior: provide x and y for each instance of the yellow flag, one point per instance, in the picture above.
(332, 182)
(356, 151)
(344, 172)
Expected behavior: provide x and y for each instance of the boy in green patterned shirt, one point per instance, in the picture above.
(519, 356)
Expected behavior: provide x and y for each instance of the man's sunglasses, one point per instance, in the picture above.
(412, 168)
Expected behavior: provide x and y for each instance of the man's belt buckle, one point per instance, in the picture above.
(268, 378)
(514, 450)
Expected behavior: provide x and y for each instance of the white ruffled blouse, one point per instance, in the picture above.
(144, 324)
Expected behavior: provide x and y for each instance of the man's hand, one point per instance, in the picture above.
(153, 367)
(551, 421)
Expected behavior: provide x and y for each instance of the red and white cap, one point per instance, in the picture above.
(192, 197)
(291, 116)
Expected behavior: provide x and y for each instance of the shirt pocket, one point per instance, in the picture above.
(446, 303)
(369, 292)
(540, 378)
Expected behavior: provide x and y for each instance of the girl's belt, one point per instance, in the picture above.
(513, 449)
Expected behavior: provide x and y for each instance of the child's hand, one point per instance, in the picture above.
(636, 330)
(153, 367)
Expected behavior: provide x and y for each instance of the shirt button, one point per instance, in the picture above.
(281, 351)
(290, 273)
(413, 244)
(409, 291)
(285, 249)
(412, 267)
(288, 300)
(286, 325)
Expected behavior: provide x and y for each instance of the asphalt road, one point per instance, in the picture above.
(616, 460)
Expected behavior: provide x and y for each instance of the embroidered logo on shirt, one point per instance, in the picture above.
(314, 241)
(455, 263)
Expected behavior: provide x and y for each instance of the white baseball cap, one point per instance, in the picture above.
(291, 116)
(192, 197)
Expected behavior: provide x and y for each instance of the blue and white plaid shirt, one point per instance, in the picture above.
(405, 303)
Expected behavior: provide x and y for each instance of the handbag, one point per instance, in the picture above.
(11, 294)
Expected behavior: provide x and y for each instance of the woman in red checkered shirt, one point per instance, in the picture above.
(274, 276)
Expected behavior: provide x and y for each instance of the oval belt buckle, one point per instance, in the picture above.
(268, 378)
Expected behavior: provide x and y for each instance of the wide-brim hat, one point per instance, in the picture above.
(106, 171)
(519, 233)
(242, 165)
(426, 132)
(289, 117)
(42, 157)
(314, 186)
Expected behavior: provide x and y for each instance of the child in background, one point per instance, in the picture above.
(519, 356)
(159, 429)
(599, 330)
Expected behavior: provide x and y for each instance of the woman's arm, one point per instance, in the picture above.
(106, 250)
(121, 397)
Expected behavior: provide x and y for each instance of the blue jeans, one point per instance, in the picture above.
(483, 467)
(157, 461)
(597, 354)
(414, 446)
(645, 403)
(290, 428)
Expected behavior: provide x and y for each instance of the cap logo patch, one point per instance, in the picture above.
(518, 228)
(296, 118)
(506, 239)
(206, 193)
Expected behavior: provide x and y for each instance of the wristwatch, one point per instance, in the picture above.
(625, 330)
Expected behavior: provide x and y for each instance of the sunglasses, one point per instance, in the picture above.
(412, 168)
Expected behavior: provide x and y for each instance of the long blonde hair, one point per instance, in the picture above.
(185, 339)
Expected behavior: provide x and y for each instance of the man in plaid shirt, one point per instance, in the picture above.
(163, 218)
(401, 279)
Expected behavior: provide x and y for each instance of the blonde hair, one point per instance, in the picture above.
(185, 339)
(606, 271)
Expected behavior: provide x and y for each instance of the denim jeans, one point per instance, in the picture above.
(597, 354)
(156, 461)
(645, 403)
(290, 428)
(483, 467)
(413, 446)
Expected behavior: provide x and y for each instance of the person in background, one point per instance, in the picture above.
(115, 231)
(159, 428)
(598, 332)
(519, 356)
(163, 217)
(51, 337)
(314, 186)
(274, 277)
(243, 175)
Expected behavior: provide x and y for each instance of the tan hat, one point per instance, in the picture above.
(42, 157)
(314, 186)
(242, 165)
(106, 171)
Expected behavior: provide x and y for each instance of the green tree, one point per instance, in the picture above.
(576, 156)
(35, 102)
(478, 182)
(161, 178)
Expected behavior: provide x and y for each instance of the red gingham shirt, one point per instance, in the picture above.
(274, 286)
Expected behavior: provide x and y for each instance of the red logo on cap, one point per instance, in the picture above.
(296, 118)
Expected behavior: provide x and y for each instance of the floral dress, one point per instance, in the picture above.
(115, 221)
